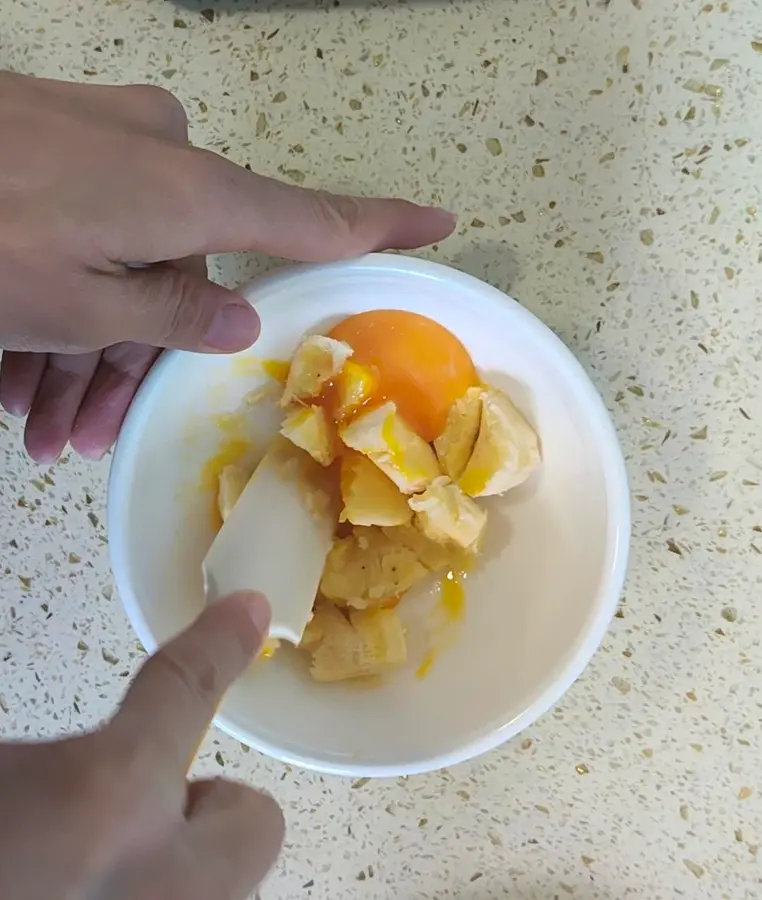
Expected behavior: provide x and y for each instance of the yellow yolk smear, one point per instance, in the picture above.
(451, 607)
(235, 445)
(230, 453)
(233, 449)
(277, 369)
(452, 596)
(355, 388)
(429, 658)
(396, 450)
(421, 366)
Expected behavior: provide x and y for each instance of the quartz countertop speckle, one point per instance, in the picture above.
(604, 162)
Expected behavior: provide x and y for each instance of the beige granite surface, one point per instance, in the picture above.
(604, 160)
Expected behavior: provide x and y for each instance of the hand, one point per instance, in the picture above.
(93, 178)
(111, 816)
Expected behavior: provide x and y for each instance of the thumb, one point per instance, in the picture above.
(165, 306)
(235, 833)
(177, 691)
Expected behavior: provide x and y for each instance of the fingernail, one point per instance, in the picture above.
(235, 326)
(94, 454)
(42, 453)
(46, 459)
(258, 608)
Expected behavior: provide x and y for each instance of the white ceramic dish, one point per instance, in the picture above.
(537, 607)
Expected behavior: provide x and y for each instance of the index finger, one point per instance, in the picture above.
(194, 202)
(175, 695)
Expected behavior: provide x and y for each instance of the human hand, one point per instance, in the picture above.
(111, 816)
(93, 178)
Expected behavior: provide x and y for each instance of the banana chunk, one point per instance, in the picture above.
(313, 630)
(456, 443)
(370, 497)
(382, 635)
(317, 360)
(335, 646)
(507, 449)
(233, 480)
(367, 568)
(309, 429)
(434, 556)
(384, 437)
(366, 644)
(446, 515)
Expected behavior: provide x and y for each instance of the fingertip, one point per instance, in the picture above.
(91, 452)
(269, 818)
(93, 436)
(20, 376)
(256, 606)
(44, 458)
(44, 448)
(234, 822)
(15, 406)
(419, 227)
(443, 217)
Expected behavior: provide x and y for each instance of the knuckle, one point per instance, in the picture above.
(114, 768)
(153, 97)
(342, 216)
(188, 315)
(90, 323)
(247, 803)
(267, 809)
(193, 674)
(185, 169)
(172, 297)
(214, 169)
(86, 785)
(162, 108)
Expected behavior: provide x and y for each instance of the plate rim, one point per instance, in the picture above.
(617, 504)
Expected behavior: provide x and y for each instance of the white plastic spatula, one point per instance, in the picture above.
(276, 539)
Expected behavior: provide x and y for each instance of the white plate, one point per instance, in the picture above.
(537, 607)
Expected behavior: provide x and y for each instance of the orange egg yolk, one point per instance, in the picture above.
(421, 366)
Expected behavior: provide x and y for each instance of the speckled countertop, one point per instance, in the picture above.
(603, 159)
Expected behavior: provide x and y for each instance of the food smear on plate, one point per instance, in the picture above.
(450, 609)
(277, 369)
(227, 464)
(391, 407)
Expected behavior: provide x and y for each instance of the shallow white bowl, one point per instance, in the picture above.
(537, 607)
